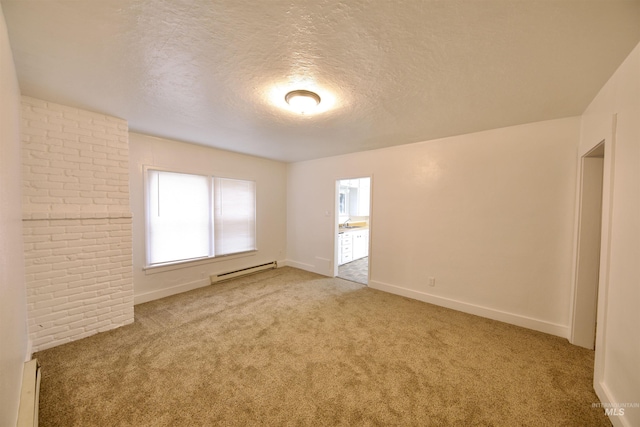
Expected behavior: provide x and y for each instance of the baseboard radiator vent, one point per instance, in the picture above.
(215, 278)
(30, 395)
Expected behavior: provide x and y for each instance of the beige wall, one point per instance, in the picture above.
(270, 178)
(489, 215)
(614, 117)
(13, 310)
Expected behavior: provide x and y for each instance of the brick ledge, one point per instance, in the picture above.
(34, 216)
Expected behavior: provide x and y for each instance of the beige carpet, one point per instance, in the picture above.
(287, 347)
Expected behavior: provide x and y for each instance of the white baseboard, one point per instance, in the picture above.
(605, 396)
(29, 394)
(502, 316)
(304, 266)
(165, 292)
(173, 290)
(29, 354)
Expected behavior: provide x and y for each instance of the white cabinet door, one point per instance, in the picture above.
(354, 202)
(360, 244)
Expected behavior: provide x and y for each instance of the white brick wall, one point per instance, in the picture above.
(73, 160)
(76, 222)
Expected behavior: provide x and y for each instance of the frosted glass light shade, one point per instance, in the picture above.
(302, 101)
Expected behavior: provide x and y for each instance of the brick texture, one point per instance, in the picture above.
(76, 222)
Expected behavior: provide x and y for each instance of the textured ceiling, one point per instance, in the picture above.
(389, 72)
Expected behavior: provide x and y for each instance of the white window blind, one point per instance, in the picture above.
(235, 218)
(198, 216)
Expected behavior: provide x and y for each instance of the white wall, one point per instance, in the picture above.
(13, 308)
(270, 177)
(489, 215)
(614, 116)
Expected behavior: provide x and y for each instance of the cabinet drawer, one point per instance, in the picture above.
(346, 238)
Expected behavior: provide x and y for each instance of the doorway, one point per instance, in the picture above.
(353, 229)
(588, 248)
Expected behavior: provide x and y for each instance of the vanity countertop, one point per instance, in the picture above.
(353, 228)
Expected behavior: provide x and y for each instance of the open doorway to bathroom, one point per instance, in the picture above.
(353, 229)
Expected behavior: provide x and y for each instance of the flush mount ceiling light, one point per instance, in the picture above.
(303, 101)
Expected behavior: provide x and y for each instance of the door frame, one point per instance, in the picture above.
(336, 222)
(588, 247)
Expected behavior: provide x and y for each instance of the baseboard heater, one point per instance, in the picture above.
(30, 395)
(215, 278)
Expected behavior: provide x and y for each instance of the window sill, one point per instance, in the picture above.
(170, 266)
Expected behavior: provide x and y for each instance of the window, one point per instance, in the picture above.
(198, 216)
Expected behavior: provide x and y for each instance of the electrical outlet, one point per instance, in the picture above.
(432, 281)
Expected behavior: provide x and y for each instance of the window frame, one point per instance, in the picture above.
(170, 265)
